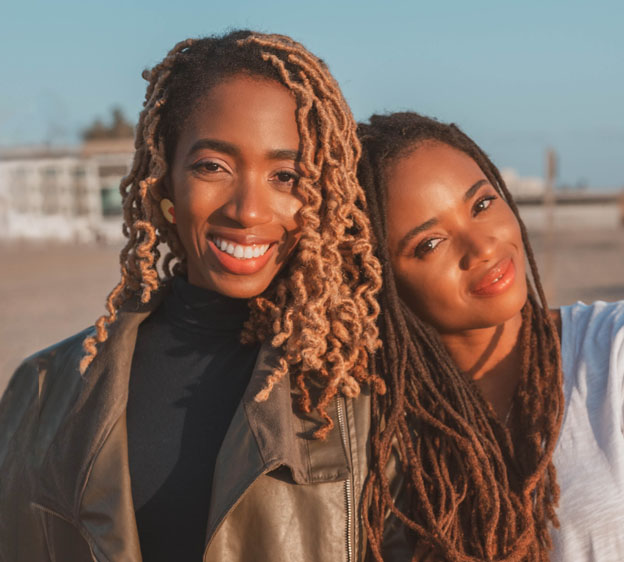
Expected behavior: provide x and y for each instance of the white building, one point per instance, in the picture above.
(523, 187)
(63, 193)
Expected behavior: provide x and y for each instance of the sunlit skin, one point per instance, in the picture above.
(233, 179)
(458, 257)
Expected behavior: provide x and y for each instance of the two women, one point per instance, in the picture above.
(222, 409)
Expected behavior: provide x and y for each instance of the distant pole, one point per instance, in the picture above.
(549, 211)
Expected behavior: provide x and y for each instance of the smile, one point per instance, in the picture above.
(240, 251)
(497, 280)
(240, 259)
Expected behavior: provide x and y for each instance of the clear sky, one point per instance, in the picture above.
(518, 76)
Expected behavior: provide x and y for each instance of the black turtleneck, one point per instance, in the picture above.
(189, 372)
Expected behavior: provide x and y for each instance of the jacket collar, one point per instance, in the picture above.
(85, 475)
(284, 435)
(266, 435)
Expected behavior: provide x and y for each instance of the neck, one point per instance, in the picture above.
(491, 357)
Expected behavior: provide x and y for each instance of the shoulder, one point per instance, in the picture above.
(47, 377)
(598, 323)
(592, 344)
(60, 359)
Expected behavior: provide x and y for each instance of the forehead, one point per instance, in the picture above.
(430, 165)
(432, 168)
(426, 182)
(244, 106)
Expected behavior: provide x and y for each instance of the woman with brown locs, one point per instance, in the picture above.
(168, 431)
(497, 408)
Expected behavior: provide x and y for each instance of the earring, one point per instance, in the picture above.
(168, 211)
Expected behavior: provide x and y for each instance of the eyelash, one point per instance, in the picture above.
(425, 247)
(292, 181)
(207, 166)
(210, 167)
(487, 198)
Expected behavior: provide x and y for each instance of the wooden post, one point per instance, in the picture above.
(549, 212)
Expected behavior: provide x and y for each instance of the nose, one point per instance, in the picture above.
(249, 202)
(477, 247)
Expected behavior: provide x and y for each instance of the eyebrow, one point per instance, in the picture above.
(220, 146)
(233, 150)
(414, 232)
(432, 222)
(473, 189)
(284, 154)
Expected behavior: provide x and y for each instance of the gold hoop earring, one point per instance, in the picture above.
(168, 211)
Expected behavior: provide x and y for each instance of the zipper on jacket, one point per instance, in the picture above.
(347, 483)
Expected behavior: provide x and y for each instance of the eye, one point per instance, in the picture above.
(427, 246)
(207, 167)
(483, 204)
(285, 179)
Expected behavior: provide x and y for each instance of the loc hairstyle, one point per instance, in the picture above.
(321, 309)
(475, 488)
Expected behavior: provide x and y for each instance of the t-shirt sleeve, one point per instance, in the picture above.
(593, 336)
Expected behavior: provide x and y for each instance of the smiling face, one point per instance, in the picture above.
(233, 180)
(455, 244)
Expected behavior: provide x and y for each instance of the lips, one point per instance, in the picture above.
(241, 257)
(496, 280)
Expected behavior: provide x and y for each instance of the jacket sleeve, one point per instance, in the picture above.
(21, 533)
(17, 401)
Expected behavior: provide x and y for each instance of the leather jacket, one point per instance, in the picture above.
(65, 491)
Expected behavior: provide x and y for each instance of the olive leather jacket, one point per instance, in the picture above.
(65, 491)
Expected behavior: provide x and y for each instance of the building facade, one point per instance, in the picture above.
(64, 193)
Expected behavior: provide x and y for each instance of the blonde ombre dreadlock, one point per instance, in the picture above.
(474, 488)
(321, 309)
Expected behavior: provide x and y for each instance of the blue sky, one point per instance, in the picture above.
(518, 76)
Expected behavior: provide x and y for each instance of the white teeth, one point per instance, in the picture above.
(241, 251)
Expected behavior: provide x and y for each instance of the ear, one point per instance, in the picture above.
(168, 210)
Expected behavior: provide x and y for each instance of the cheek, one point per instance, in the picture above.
(431, 292)
(509, 223)
(290, 221)
(286, 209)
(195, 205)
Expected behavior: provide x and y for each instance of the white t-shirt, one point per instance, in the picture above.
(589, 456)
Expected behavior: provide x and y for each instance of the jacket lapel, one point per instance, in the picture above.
(266, 435)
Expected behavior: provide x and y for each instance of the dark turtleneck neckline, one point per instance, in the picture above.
(198, 309)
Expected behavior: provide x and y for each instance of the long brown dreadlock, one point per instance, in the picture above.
(321, 310)
(474, 489)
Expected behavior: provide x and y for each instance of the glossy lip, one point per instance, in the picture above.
(497, 280)
(239, 266)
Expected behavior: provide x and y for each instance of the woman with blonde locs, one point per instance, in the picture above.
(159, 434)
(503, 418)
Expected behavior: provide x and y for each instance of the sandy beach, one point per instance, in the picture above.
(48, 292)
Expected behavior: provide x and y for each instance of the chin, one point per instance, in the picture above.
(501, 312)
(240, 288)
